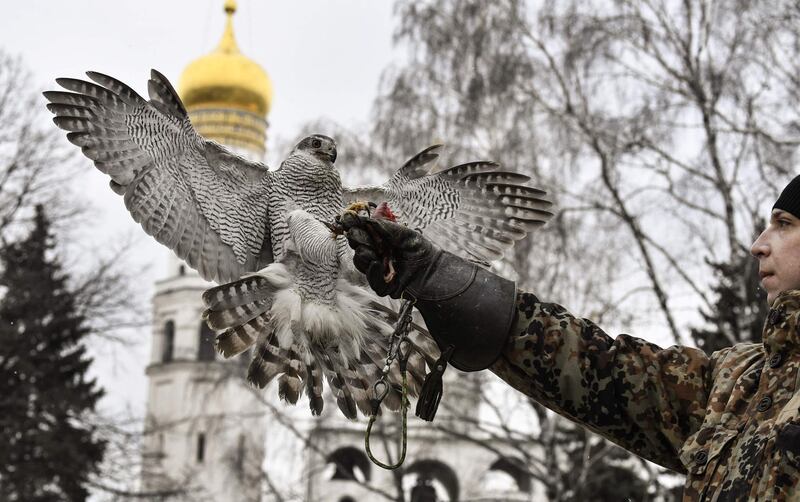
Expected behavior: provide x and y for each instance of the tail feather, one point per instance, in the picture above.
(423, 351)
(235, 316)
(394, 398)
(416, 373)
(424, 345)
(289, 387)
(376, 354)
(372, 363)
(338, 384)
(245, 290)
(236, 303)
(344, 398)
(314, 389)
(263, 310)
(267, 363)
(240, 338)
(359, 387)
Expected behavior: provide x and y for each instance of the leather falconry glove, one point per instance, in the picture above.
(468, 310)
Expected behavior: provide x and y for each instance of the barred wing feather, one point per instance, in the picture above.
(475, 210)
(205, 203)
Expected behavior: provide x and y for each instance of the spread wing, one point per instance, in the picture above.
(206, 204)
(474, 210)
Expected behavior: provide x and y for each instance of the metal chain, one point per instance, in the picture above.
(398, 346)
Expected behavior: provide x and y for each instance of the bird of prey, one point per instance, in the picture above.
(289, 287)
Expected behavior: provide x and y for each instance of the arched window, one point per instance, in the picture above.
(181, 270)
(350, 464)
(201, 448)
(205, 349)
(515, 469)
(169, 341)
(238, 462)
(425, 477)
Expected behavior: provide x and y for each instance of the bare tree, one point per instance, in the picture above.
(33, 164)
(671, 104)
(37, 168)
(661, 129)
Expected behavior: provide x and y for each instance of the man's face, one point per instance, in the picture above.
(778, 253)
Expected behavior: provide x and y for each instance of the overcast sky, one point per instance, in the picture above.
(324, 58)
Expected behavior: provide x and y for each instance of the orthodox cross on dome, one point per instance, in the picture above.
(228, 41)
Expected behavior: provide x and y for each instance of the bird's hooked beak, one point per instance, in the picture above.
(332, 154)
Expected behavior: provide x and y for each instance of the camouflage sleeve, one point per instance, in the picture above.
(646, 399)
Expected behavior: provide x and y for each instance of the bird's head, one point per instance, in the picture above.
(321, 147)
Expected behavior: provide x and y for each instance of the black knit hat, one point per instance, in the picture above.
(789, 200)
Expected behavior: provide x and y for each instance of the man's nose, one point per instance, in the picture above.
(760, 248)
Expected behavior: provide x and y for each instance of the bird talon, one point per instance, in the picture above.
(360, 206)
(335, 228)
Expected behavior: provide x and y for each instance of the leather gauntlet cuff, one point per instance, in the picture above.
(467, 307)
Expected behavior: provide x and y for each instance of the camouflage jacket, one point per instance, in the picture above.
(730, 422)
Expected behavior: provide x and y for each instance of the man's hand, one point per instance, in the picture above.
(466, 309)
(389, 254)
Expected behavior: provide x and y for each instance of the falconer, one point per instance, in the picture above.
(729, 421)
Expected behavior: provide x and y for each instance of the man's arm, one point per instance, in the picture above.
(638, 395)
(644, 398)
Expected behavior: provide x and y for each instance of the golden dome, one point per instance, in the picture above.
(225, 77)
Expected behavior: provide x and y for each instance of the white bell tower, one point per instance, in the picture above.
(204, 430)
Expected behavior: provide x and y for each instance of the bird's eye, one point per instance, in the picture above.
(315, 143)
